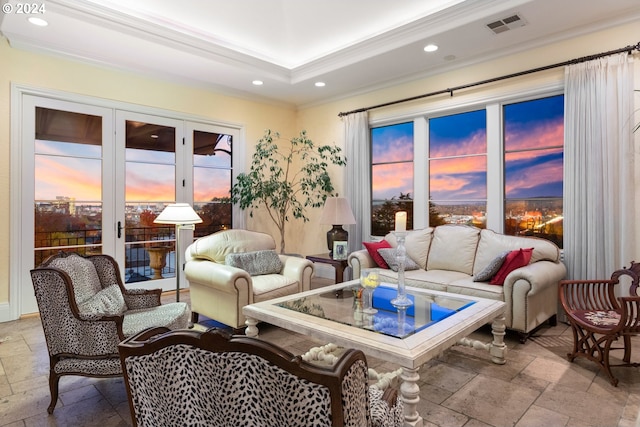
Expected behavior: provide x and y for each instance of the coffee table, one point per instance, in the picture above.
(408, 338)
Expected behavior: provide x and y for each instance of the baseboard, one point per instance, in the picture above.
(6, 314)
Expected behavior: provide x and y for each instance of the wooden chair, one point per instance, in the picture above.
(598, 318)
(214, 379)
(86, 311)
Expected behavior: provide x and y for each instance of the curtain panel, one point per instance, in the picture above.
(599, 194)
(358, 176)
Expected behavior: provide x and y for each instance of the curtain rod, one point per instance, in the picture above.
(450, 91)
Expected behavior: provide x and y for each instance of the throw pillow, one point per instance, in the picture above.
(515, 259)
(256, 263)
(389, 256)
(83, 274)
(107, 302)
(490, 270)
(372, 248)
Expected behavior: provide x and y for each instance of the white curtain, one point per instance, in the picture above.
(599, 197)
(358, 177)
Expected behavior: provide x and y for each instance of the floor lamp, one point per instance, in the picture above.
(184, 217)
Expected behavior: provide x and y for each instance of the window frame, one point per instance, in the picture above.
(493, 103)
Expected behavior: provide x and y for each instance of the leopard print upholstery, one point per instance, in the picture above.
(381, 414)
(181, 383)
(213, 379)
(87, 344)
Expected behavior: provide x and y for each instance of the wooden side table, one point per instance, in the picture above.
(338, 264)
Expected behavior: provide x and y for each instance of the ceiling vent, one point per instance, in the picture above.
(505, 24)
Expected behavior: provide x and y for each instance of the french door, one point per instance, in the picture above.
(93, 179)
(149, 151)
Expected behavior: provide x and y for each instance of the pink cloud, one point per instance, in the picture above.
(475, 144)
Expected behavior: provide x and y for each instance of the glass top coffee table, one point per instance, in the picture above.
(408, 338)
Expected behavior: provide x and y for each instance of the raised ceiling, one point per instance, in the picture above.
(353, 46)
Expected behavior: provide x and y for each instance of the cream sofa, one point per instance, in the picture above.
(219, 291)
(449, 256)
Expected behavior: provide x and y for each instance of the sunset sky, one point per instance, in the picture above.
(74, 170)
(536, 126)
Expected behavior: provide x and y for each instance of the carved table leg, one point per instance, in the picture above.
(410, 395)
(252, 329)
(498, 348)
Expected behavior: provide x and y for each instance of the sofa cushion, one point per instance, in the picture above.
(83, 274)
(256, 263)
(453, 247)
(389, 256)
(514, 260)
(216, 246)
(174, 315)
(492, 244)
(491, 269)
(107, 302)
(432, 279)
(466, 286)
(271, 286)
(372, 248)
(417, 243)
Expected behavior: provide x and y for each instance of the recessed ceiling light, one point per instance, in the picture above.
(430, 48)
(38, 21)
(257, 82)
(320, 84)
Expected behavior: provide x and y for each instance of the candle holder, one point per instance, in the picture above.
(401, 300)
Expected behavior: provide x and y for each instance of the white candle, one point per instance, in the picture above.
(401, 221)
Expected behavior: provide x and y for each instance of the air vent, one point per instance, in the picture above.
(505, 24)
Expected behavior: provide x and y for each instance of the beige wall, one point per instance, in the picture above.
(52, 73)
(321, 122)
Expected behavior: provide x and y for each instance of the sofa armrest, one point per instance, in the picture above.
(358, 260)
(299, 269)
(540, 275)
(218, 276)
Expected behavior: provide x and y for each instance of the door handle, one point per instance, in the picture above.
(119, 229)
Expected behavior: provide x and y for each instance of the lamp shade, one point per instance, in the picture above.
(178, 213)
(337, 212)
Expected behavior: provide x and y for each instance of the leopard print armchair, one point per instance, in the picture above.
(86, 312)
(214, 379)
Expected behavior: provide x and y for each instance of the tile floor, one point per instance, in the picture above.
(537, 387)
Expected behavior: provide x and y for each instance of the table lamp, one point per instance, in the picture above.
(184, 217)
(337, 213)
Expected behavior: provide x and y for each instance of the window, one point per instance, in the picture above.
(533, 157)
(67, 183)
(391, 176)
(212, 181)
(458, 169)
(470, 175)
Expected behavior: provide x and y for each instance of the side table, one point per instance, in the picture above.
(338, 264)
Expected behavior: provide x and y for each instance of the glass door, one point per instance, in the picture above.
(63, 192)
(212, 149)
(147, 148)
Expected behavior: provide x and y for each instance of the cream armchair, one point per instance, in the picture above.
(219, 291)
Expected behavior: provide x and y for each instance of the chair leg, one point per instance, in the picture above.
(54, 379)
(194, 317)
(627, 348)
(605, 361)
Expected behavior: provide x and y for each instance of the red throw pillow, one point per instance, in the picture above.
(515, 259)
(372, 248)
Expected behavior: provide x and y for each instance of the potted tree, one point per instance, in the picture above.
(285, 190)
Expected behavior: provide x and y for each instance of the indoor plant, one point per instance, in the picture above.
(275, 180)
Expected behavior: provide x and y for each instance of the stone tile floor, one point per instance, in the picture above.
(537, 387)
